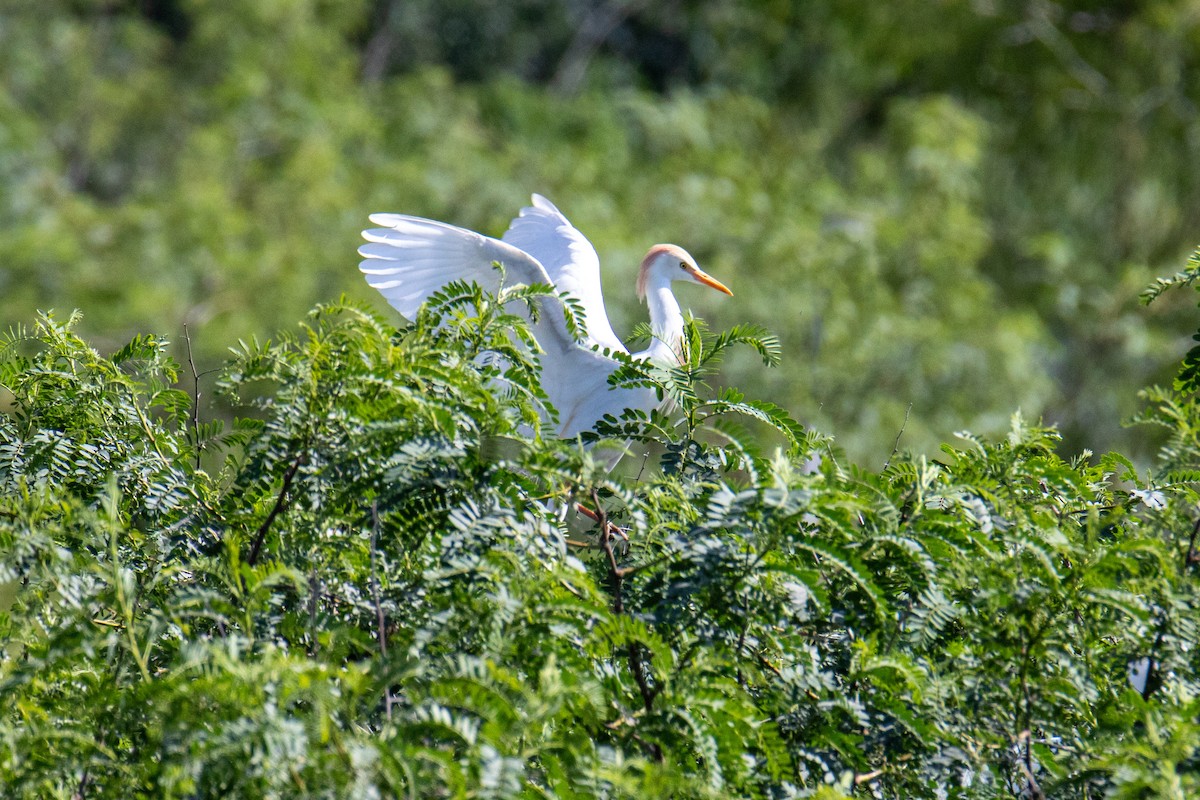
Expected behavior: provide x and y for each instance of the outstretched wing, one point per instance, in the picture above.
(571, 262)
(411, 258)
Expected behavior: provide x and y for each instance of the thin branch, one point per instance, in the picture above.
(896, 444)
(617, 577)
(867, 777)
(195, 415)
(380, 618)
(570, 588)
(314, 594)
(1033, 788)
(595, 29)
(1192, 557)
(778, 673)
(1026, 762)
(149, 433)
(377, 54)
(642, 468)
(601, 517)
(1152, 676)
(587, 512)
(625, 572)
(1042, 28)
(81, 791)
(281, 504)
(741, 644)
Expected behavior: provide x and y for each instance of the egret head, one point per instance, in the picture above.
(668, 262)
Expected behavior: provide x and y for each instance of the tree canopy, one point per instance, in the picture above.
(369, 587)
(943, 210)
(922, 558)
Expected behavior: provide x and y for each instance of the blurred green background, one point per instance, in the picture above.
(943, 205)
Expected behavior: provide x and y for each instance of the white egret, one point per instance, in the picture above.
(410, 258)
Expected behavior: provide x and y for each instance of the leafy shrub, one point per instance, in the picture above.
(377, 585)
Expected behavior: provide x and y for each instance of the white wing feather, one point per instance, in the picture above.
(571, 262)
(411, 258)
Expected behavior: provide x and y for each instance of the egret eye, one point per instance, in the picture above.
(683, 265)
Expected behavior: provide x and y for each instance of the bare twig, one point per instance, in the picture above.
(1033, 788)
(867, 777)
(380, 618)
(281, 504)
(595, 515)
(617, 576)
(314, 594)
(896, 444)
(599, 24)
(778, 673)
(601, 517)
(195, 415)
(642, 468)
(741, 644)
(570, 588)
(1152, 675)
(1042, 28)
(1193, 556)
(378, 51)
(81, 791)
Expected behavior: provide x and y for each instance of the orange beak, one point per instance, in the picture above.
(709, 280)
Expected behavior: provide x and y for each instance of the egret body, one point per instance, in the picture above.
(408, 259)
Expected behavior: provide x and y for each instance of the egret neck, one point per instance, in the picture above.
(666, 323)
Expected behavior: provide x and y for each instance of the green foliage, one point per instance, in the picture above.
(1187, 381)
(943, 209)
(377, 585)
(376, 582)
(1185, 278)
